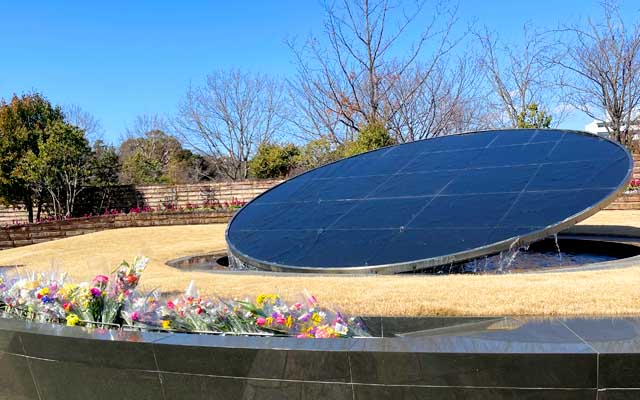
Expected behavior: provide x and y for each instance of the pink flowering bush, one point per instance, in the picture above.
(165, 208)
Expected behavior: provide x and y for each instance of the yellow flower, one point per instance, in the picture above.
(289, 321)
(166, 324)
(67, 290)
(316, 318)
(269, 321)
(72, 320)
(262, 298)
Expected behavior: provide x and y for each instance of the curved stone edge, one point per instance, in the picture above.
(606, 233)
(469, 357)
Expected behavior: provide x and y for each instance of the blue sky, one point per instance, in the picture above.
(118, 60)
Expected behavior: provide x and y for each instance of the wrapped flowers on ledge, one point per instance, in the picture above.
(115, 302)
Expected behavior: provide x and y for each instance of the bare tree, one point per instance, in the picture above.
(603, 60)
(520, 75)
(147, 135)
(353, 80)
(448, 101)
(145, 123)
(84, 120)
(229, 117)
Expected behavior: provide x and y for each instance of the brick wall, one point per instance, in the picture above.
(23, 235)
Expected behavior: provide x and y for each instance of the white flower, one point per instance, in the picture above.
(340, 329)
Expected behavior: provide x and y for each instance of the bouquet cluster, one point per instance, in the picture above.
(115, 301)
(634, 185)
(54, 298)
(268, 314)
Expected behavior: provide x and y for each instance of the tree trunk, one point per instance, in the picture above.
(39, 211)
(29, 204)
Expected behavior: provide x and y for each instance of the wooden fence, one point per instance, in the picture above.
(23, 235)
(629, 201)
(125, 197)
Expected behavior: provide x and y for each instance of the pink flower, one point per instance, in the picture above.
(297, 306)
(281, 320)
(260, 321)
(101, 278)
(170, 305)
(95, 292)
(312, 300)
(323, 334)
(135, 316)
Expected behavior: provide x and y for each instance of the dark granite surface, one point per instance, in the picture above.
(412, 358)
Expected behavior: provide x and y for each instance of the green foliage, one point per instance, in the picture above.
(25, 123)
(317, 153)
(186, 167)
(159, 158)
(274, 160)
(60, 166)
(321, 151)
(140, 169)
(532, 117)
(105, 165)
(371, 137)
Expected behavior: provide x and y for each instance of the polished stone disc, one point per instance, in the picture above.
(430, 202)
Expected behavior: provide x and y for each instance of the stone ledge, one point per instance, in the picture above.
(410, 358)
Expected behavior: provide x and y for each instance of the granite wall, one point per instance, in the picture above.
(411, 358)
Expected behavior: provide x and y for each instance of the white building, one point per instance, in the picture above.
(599, 128)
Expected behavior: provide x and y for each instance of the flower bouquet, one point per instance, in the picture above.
(115, 302)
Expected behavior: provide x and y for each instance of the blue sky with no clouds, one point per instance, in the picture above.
(118, 60)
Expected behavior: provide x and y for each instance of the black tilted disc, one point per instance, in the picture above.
(430, 202)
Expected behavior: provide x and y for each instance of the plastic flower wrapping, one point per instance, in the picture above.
(54, 298)
(115, 301)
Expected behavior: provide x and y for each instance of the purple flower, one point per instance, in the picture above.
(304, 317)
(95, 292)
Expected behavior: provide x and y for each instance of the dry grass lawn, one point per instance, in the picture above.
(613, 292)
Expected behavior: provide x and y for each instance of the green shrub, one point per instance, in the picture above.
(274, 160)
